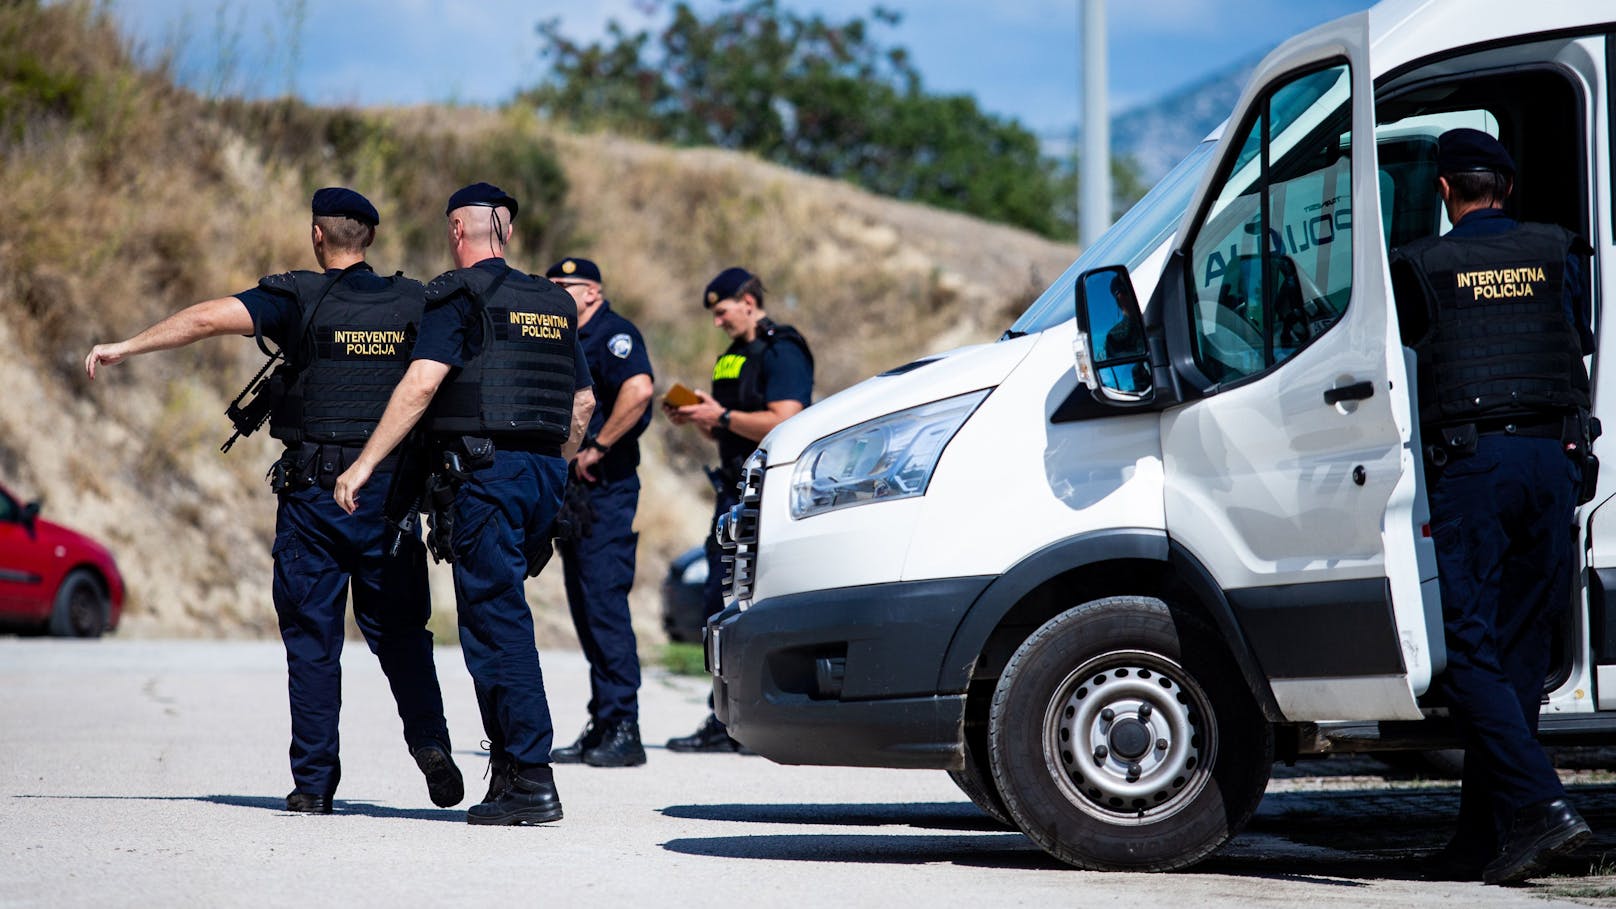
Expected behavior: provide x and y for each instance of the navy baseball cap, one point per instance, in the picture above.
(724, 287)
(580, 269)
(341, 202)
(1469, 150)
(480, 194)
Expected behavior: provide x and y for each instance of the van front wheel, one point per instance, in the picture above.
(1122, 737)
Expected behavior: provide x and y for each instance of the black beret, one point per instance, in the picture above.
(582, 269)
(1466, 150)
(341, 202)
(480, 194)
(724, 287)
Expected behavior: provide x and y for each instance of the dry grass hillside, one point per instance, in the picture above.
(130, 198)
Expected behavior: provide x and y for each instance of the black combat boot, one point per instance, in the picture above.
(619, 746)
(574, 753)
(529, 799)
(499, 773)
(711, 736)
(1539, 833)
(308, 803)
(443, 780)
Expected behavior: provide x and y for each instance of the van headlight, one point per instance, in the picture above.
(890, 457)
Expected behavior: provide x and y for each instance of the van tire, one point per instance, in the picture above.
(976, 781)
(1123, 738)
(80, 610)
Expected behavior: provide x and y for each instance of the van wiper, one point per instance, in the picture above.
(1010, 334)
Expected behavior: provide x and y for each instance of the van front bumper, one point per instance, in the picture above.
(845, 677)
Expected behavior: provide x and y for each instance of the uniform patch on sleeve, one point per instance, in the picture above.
(621, 345)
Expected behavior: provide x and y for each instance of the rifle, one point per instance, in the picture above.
(266, 392)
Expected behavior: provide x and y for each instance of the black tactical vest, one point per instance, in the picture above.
(1500, 344)
(738, 383)
(354, 351)
(521, 383)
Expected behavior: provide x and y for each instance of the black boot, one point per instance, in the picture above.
(530, 799)
(1539, 833)
(574, 753)
(308, 803)
(619, 746)
(444, 783)
(499, 773)
(710, 736)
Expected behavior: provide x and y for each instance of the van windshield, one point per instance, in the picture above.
(1146, 226)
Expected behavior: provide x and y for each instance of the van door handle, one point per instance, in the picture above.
(1357, 391)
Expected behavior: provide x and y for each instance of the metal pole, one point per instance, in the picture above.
(1094, 202)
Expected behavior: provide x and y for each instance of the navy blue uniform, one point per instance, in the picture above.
(599, 567)
(320, 553)
(787, 374)
(1501, 519)
(496, 511)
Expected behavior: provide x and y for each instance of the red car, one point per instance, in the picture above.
(52, 578)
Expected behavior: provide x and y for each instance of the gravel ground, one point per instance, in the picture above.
(136, 773)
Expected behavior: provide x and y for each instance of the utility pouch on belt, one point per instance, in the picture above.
(479, 452)
(292, 473)
(1451, 442)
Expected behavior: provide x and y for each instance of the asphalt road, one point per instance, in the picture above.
(138, 773)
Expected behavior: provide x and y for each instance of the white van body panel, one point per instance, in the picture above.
(1012, 482)
(956, 372)
(865, 544)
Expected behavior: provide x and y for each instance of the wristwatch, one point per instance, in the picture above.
(723, 419)
(592, 442)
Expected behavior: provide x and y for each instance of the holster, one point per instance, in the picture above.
(439, 501)
(1582, 429)
(294, 472)
(576, 518)
(458, 458)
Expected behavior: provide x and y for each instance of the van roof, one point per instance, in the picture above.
(1402, 31)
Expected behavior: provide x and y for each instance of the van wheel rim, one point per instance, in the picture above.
(1130, 738)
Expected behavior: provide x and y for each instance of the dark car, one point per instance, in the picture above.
(683, 610)
(52, 578)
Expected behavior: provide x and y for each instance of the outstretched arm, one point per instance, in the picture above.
(208, 319)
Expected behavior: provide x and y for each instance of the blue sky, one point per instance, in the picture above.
(1018, 57)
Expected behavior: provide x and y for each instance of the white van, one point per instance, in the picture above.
(1106, 604)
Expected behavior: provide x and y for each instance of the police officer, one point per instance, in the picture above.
(1497, 314)
(598, 558)
(344, 333)
(499, 363)
(765, 376)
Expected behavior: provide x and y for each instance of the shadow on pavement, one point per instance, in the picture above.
(278, 805)
(1335, 837)
(925, 815)
(998, 850)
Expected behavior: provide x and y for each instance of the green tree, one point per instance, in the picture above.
(825, 97)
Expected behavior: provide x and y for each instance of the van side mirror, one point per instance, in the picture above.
(1112, 357)
(30, 514)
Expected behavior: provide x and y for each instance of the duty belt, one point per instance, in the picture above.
(1535, 427)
